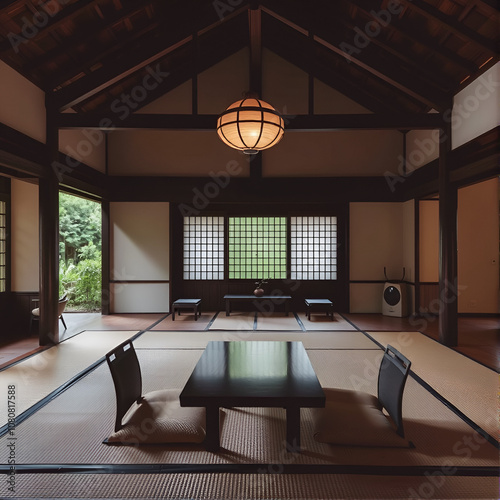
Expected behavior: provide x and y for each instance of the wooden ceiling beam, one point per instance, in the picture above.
(296, 123)
(282, 40)
(83, 38)
(54, 21)
(101, 79)
(452, 25)
(405, 59)
(211, 52)
(386, 69)
(415, 35)
(129, 63)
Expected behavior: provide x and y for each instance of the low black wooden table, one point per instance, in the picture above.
(324, 304)
(273, 299)
(253, 374)
(193, 304)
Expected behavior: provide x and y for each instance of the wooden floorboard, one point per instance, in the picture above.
(479, 337)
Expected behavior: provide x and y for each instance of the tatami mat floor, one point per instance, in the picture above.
(67, 432)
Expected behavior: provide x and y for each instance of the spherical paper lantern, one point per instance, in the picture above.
(250, 125)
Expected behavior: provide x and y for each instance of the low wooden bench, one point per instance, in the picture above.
(322, 304)
(193, 304)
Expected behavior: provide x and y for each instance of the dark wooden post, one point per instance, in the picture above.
(416, 204)
(48, 200)
(105, 235)
(255, 32)
(448, 275)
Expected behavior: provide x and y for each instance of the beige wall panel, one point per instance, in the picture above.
(140, 298)
(139, 241)
(87, 146)
(24, 234)
(478, 248)
(159, 152)
(339, 153)
(476, 109)
(177, 101)
(284, 86)
(366, 297)
(422, 148)
(429, 241)
(224, 83)
(22, 104)
(376, 240)
(330, 101)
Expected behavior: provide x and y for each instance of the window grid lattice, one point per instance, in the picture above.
(203, 248)
(3, 245)
(257, 247)
(313, 248)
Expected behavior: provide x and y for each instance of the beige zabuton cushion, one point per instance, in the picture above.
(354, 418)
(159, 418)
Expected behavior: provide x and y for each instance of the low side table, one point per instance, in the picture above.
(323, 304)
(193, 304)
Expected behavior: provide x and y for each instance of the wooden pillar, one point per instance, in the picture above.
(416, 205)
(105, 262)
(448, 270)
(255, 33)
(48, 199)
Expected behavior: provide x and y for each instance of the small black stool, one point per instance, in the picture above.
(323, 304)
(193, 304)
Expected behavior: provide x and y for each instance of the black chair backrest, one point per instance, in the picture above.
(126, 373)
(391, 382)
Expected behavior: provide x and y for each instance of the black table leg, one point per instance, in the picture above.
(173, 313)
(212, 439)
(293, 429)
(228, 309)
(287, 307)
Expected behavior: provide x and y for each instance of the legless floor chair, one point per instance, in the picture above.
(357, 418)
(155, 417)
(35, 313)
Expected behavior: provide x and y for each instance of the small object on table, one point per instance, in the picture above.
(323, 304)
(193, 304)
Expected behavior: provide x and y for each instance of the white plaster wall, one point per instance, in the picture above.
(139, 246)
(476, 109)
(24, 236)
(22, 104)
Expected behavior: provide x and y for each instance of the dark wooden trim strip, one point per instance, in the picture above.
(406, 282)
(136, 282)
(297, 123)
(253, 468)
